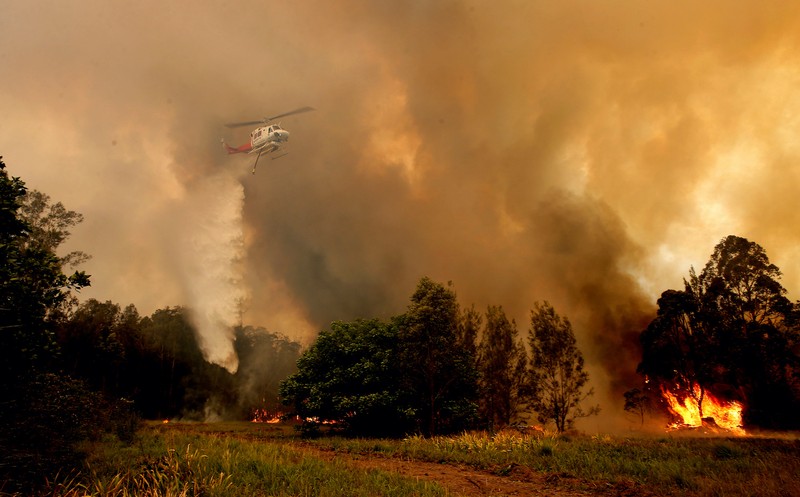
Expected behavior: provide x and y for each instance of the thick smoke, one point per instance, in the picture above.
(586, 153)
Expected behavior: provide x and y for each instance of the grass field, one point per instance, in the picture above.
(246, 459)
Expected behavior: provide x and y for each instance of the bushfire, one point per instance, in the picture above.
(702, 409)
(264, 416)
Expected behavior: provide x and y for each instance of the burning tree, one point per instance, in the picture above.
(729, 336)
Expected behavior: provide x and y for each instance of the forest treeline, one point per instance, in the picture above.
(438, 369)
(72, 371)
(156, 363)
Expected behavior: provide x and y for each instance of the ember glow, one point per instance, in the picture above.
(686, 408)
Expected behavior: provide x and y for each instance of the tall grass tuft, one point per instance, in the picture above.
(183, 463)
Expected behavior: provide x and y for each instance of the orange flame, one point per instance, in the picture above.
(264, 416)
(726, 415)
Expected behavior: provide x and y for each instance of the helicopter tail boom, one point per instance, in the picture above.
(246, 148)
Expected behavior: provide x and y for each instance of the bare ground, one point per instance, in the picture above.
(470, 482)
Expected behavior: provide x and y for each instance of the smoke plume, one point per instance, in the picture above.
(585, 153)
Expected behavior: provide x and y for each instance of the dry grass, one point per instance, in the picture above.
(244, 459)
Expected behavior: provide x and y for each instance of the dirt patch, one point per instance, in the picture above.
(470, 482)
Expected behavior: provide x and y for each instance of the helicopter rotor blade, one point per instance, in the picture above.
(290, 113)
(244, 123)
(268, 119)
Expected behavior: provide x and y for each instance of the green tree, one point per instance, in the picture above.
(349, 376)
(502, 361)
(439, 372)
(557, 375)
(33, 292)
(33, 288)
(469, 326)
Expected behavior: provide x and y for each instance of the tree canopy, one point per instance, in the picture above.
(349, 376)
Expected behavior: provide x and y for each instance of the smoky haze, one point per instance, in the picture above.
(585, 153)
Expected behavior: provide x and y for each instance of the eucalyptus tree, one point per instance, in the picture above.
(557, 373)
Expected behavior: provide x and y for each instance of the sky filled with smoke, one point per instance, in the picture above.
(581, 152)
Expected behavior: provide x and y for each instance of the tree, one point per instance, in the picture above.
(637, 402)
(438, 368)
(265, 359)
(182, 381)
(49, 225)
(731, 331)
(91, 345)
(349, 377)
(557, 376)
(501, 363)
(742, 284)
(677, 346)
(33, 288)
(33, 292)
(469, 326)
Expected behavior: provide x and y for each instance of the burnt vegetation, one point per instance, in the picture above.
(74, 371)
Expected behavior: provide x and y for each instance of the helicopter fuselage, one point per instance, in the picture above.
(268, 136)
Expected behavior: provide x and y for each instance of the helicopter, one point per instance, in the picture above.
(264, 139)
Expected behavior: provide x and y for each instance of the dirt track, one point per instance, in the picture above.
(470, 482)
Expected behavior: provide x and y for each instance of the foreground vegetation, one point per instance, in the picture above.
(238, 459)
(663, 465)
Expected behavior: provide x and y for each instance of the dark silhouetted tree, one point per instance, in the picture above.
(502, 362)
(49, 225)
(557, 375)
(637, 402)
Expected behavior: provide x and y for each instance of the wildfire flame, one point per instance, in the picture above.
(685, 407)
(265, 416)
